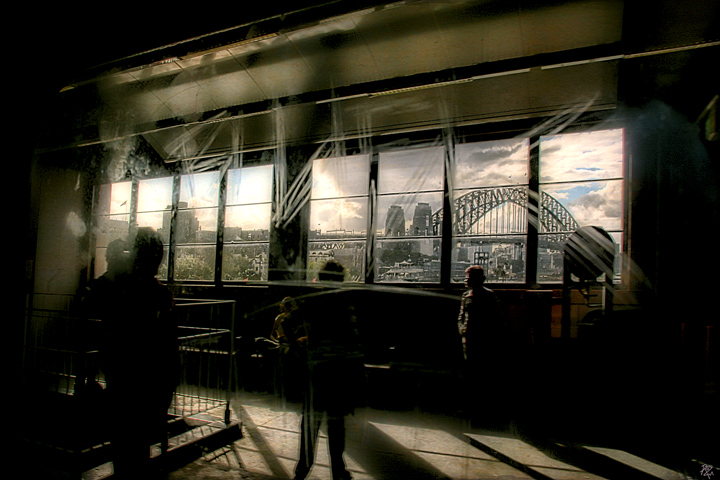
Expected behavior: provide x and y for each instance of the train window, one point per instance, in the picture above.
(247, 223)
(409, 215)
(196, 226)
(112, 219)
(489, 209)
(581, 184)
(339, 214)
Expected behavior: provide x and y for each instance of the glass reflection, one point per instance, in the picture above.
(340, 177)
(111, 227)
(550, 257)
(250, 185)
(199, 190)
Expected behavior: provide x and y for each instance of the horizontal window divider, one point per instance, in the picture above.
(406, 194)
(336, 239)
(247, 242)
(542, 184)
(492, 187)
(346, 197)
(409, 237)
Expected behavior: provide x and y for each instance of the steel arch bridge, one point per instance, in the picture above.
(473, 206)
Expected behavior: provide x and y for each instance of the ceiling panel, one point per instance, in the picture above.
(375, 45)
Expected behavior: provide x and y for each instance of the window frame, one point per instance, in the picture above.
(446, 233)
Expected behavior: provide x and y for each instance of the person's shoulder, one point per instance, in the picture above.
(486, 292)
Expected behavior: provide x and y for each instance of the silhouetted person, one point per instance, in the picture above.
(484, 341)
(94, 301)
(139, 358)
(290, 334)
(335, 369)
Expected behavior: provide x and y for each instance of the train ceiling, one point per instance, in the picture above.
(342, 71)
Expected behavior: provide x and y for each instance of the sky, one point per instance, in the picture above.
(498, 163)
(590, 158)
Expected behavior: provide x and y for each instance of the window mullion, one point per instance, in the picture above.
(533, 212)
(173, 227)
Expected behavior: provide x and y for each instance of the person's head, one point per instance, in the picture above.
(288, 304)
(474, 276)
(147, 251)
(118, 257)
(332, 271)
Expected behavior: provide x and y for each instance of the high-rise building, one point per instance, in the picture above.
(422, 220)
(395, 221)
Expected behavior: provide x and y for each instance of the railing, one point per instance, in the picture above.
(207, 351)
(61, 347)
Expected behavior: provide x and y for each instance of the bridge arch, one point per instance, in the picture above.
(470, 208)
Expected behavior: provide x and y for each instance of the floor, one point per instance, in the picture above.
(418, 445)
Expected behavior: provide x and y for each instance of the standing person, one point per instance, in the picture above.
(140, 358)
(484, 342)
(335, 373)
(290, 333)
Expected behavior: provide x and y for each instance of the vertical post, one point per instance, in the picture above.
(173, 227)
(533, 213)
(220, 237)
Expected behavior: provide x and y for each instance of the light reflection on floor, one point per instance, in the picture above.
(379, 446)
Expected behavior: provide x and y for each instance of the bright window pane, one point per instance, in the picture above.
(340, 177)
(114, 198)
(245, 262)
(581, 156)
(250, 185)
(247, 223)
(580, 185)
(199, 190)
(155, 194)
(339, 218)
(497, 163)
(414, 170)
